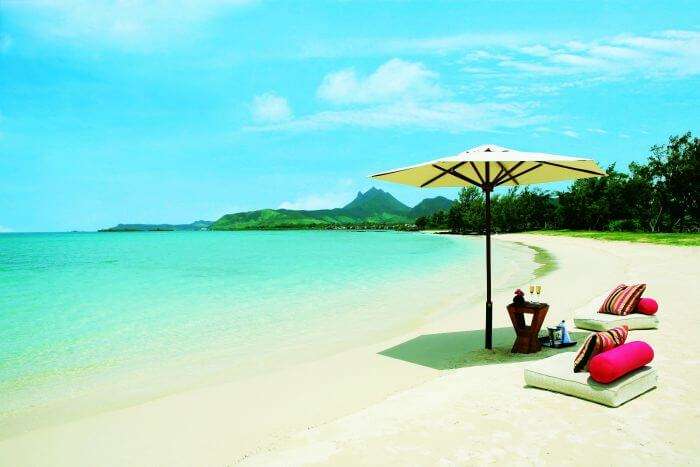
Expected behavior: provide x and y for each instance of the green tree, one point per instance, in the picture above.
(467, 214)
(673, 171)
(592, 203)
(438, 220)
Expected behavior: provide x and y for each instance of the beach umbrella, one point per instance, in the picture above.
(488, 167)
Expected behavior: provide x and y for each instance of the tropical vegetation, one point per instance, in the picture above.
(658, 195)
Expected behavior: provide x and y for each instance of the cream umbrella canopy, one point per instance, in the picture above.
(487, 167)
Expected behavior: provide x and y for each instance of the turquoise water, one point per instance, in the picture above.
(92, 321)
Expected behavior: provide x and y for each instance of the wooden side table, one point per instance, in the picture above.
(526, 340)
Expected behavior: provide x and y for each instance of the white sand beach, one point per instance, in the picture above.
(363, 408)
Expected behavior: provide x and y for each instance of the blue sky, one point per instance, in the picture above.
(171, 111)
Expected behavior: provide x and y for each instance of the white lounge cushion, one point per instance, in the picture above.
(594, 321)
(589, 318)
(556, 374)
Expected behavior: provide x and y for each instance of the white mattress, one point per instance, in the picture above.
(602, 322)
(556, 374)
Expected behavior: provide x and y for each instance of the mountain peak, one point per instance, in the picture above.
(369, 193)
(376, 200)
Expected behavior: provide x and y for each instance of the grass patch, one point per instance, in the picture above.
(546, 262)
(678, 239)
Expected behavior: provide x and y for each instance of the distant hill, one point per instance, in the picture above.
(197, 225)
(430, 206)
(374, 208)
(281, 219)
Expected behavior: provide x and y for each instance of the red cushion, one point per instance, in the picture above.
(648, 306)
(615, 363)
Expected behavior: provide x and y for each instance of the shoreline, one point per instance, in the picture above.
(248, 386)
(546, 262)
(257, 421)
(388, 301)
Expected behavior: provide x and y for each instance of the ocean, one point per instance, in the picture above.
(95, 321)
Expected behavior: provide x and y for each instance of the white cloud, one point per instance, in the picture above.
(270, 108)
(394, 79)
(566, 131)
(484, 55)
(579, 61)
(536, 50)
(614, 52)
(401, 94)
(549, 67)
(318, 201)
(529, 67)
(670, 53)
(439, 116)
(4, 229)
(126, 23)
(664, 54)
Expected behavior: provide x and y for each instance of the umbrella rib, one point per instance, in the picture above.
(508, 173)
(456, 175)
(572, 168)
(387, 173)
(481, 179)
(522, 173)
(498, 175)
(442, 174)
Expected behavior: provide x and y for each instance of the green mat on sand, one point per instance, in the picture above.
(450, 350)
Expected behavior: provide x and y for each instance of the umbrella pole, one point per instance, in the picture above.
(489, 304)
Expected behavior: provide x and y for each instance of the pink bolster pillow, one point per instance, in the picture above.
(615, 363)
(648, 306)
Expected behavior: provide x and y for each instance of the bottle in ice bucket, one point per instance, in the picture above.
(565, 339)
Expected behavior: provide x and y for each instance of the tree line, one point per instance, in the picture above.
(657, 195)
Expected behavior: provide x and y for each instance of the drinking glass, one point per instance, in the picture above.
(538, 290)
(532, 291)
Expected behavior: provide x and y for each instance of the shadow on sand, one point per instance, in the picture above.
(449, 350)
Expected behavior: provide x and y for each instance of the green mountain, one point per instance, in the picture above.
(196, 225)
(430, 206)
(376, 201)
(374, 208)
(282, 219)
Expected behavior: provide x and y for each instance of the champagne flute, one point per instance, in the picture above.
(532, 291)
(538, 290)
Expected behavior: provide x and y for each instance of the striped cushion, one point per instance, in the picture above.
(623, 299)
(599, 342)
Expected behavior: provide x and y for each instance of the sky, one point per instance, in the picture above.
(172, 111)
